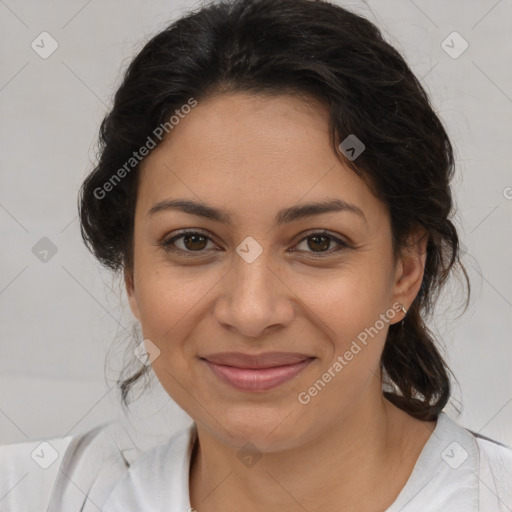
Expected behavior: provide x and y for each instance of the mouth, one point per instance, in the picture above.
(257, 372)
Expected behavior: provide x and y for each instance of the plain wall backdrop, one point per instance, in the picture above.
(61, 313)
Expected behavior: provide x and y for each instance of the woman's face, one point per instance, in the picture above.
(260, 277)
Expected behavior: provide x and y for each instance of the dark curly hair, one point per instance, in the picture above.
(311, 48)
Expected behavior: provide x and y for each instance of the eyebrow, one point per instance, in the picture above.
(293, 213)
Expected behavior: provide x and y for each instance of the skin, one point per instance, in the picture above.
(253, 156)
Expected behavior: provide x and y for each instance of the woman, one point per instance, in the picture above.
(274, 187)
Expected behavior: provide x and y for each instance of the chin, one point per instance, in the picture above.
(263, 428)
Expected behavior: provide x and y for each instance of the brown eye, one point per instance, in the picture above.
(194, 242)
(319, 243)
(191, 242)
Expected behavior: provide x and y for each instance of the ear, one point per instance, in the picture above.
(410, 268)
(130, 291)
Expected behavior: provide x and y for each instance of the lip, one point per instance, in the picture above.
(257, 372)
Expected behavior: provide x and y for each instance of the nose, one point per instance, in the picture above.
(254, 298)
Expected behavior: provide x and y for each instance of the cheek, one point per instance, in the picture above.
(351, 306)
(349, 300)
(169, 305)
(164, 296)
(353, 313)
(172, 302)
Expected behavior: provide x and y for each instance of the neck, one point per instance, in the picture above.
(345, 464)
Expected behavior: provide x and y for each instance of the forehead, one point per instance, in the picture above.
(251, 152)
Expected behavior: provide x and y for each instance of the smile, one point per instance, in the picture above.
(257, 373)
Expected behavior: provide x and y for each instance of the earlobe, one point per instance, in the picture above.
(130, 292)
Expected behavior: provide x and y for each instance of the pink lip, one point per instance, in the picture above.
(257, 373)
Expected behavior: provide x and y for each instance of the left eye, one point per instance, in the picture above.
(321, 241)
(196, 241)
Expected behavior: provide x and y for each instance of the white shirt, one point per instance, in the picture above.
(457, 471)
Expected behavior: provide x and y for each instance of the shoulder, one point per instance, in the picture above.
(29, 470)
(492, 466)
(460, 471)
(63, 473)
(158, 480)
(495, 471)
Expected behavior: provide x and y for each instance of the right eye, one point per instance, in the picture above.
(193, 242)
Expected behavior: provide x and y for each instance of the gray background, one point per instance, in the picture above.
(61, 318)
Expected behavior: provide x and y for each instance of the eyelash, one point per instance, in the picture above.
(168, 244)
